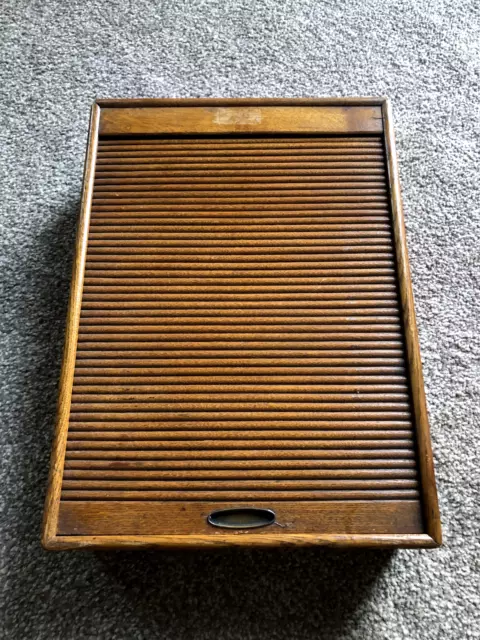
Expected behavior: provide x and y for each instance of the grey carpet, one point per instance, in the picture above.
(56, 58)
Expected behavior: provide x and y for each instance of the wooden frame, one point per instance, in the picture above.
(243, 116)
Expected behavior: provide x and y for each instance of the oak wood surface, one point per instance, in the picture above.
(241, 332)
(425, 456)
(174, 518)
(52, 502)
(230, 119)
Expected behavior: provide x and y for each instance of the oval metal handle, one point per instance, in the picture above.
(241, 518)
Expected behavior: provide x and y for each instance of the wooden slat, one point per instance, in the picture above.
(216, 435)
(238, 149)
(304, 172)
(234, 119)
(301, 380)
(257, 428)
(311, 523)
(311, 494)
(115, 475)
(328, 465)
(245, 455)
(136, 486)
(105, 226)
(134, 186)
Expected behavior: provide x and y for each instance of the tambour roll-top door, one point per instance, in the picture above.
(241, 334)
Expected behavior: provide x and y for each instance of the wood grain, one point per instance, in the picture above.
(241, 332)
(52, 502)
(361, 518)
(234, 119)
(425, 455)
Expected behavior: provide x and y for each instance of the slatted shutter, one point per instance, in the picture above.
(241, 333)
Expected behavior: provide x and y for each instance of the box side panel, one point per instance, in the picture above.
(71, 335)
(425, 455)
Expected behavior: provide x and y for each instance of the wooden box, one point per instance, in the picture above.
(241, 335)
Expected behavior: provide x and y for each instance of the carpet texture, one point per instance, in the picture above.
(56, 57)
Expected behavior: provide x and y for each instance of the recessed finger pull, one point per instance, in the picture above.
(241, 518)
